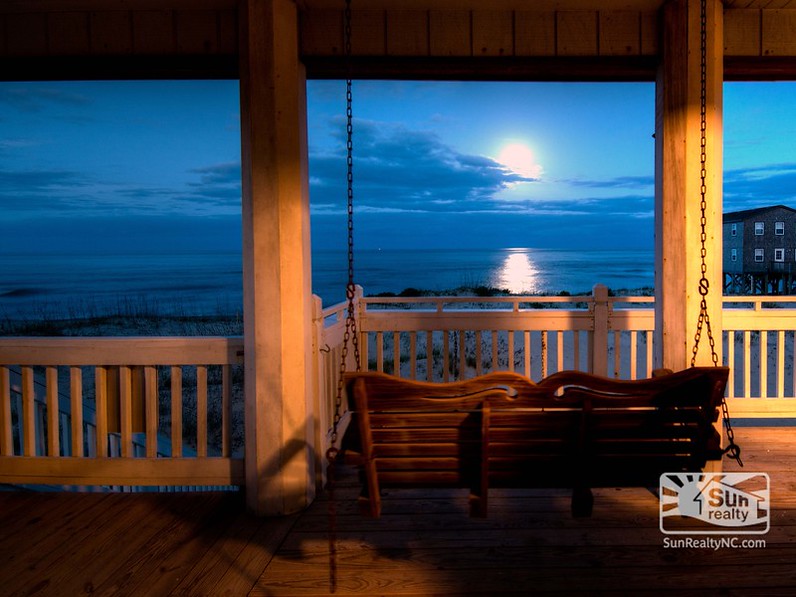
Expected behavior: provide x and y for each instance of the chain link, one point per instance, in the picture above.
(350, 336)
(733, 450)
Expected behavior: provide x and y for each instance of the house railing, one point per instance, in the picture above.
(759, 344)
(451, 338)
(121, 411)
(169, 411)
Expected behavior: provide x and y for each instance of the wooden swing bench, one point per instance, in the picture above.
(501, 430)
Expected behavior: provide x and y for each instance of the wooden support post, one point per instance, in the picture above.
(599, 336)
(678, 182)
(276, 261)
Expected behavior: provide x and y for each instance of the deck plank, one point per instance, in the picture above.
(80, 543)
(187, 533)
(425, 543)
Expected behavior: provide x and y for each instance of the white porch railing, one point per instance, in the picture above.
(165, 411)
(121, 411)
(759, 343)
(450, 338)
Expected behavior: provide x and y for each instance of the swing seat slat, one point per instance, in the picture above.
(571, 430)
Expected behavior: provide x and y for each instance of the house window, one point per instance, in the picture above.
(734, 256)
(734, 229)
(779, 255)
(779, 228)
(760, 229)
(759, 254)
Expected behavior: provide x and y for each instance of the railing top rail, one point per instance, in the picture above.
(475, 299)
(125, 350)
(756, 301)
(631, 299)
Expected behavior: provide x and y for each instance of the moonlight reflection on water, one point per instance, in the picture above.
(518, 274)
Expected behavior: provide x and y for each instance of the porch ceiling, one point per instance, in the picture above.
(11, 6)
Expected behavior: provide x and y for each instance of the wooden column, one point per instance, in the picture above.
(678, 182)
(276, 261)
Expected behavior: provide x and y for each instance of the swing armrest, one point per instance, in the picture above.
(352, 458)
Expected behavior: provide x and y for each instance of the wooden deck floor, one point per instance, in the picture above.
(424, 544)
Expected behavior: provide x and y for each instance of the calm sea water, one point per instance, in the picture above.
(70, 285)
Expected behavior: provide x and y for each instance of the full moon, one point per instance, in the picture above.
(519, 159)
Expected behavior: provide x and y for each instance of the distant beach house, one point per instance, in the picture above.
(760, 251)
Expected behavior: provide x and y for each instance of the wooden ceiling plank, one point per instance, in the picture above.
(534, 33)
(742, 32)
(493, 33)
(620, 33)
(576, 33)
(779, 32)
(450, 33)
(407, 33)
(68, 33)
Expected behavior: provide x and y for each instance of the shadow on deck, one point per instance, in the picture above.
(424, 544)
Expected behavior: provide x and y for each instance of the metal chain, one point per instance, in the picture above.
(704, 283)
(733, 450)
(350, 336)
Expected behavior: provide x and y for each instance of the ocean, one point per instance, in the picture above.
(47, 286)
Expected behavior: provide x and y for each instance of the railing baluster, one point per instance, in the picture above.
(28, 413)
(446, 348)
(429, 355)
(380, 351)
(412, 355)
(780, 389)
(126, 411)
(151, 410)
(495, 364)
(747, 367)
(633, 361)
(53, 420)
(730, 361)
(76, 403)
(6, 430)
(479, 369)
(201, 411)
(396, 353)
(526, 347)
(462, 356)
(559, 351)
(101, 406)
(763, 364)
(176, 411)
(543, 353)
(364, 350)
(226, 411)
(793, 364)
(510, 349)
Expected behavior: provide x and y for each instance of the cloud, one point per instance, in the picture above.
(398, 169)
(29, 193)
(36, 99)
(11, 145)
(619, 182)
(747, 188)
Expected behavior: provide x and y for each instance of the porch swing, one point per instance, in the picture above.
(570, 430)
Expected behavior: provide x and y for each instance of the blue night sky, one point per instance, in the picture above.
(155, 166)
